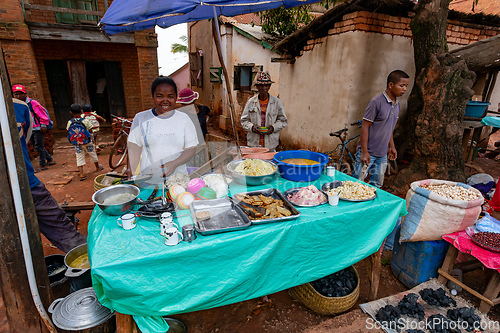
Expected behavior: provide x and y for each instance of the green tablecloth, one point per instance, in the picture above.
(134, 272)
(491, 121)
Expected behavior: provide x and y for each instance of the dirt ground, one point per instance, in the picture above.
(281, 313)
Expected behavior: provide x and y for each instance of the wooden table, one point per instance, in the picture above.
(490, 296)
(276, 256)
(472, 133)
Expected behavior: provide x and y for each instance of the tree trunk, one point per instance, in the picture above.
(436, 105)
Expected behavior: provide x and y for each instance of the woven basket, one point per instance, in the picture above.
(97, 183)
(320, 304)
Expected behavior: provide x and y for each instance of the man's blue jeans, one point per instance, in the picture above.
(375, 169)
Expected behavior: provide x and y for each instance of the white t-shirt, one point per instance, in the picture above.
(162, 139)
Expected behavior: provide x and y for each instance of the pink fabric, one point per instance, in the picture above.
(40, 112)
(471, 214)
(463, 243)
(495, 201)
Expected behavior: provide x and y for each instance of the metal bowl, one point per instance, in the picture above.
(100, 196)
(251, 180)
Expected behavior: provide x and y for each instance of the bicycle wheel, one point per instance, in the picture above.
(118, 152)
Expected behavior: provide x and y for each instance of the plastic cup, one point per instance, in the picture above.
(330, 171)
(333, 200)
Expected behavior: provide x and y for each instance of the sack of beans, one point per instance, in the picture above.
(439, 207)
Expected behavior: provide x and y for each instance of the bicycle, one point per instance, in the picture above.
(345, 167)
(338, 158)
(119, 151)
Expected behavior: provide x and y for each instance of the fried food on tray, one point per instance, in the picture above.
(275, 208)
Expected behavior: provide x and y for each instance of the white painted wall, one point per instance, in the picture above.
(244, 50)
(329, 87)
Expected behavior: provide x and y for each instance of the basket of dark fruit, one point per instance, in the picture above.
(332, 294)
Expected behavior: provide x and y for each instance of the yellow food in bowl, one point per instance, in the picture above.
(254, 167)
(81, 262)
(300, 161)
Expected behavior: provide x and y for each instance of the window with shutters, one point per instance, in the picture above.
(196, 69)
(76, 18)
(244, 75)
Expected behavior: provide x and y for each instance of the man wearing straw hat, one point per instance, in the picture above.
(263, 117)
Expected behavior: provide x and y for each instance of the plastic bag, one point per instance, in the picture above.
(488, 224)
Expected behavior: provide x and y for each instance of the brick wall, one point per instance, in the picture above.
(22, 68)
(12, 21)
(126, 54)
(49, 16)
(25, 58)
(458, 33)
(147, 44)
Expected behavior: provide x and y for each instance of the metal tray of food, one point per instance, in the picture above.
(294, 190)
(274, 194)
(331, 185)
(470, 231)
(218, 215)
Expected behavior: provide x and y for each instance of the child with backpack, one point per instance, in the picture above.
(41, 123)
(79, 136)
(93, 119)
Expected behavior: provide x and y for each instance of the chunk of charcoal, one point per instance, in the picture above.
(437, 297)
(439, 324)
(410, 307)
(388, 316)
(465, 317)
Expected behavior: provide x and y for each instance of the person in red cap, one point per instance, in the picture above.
(41, 122)
(197, 113)
(263, 117)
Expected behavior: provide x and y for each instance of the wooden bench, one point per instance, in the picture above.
(73, 208)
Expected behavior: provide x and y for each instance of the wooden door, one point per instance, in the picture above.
(60, 90)
(114, 86)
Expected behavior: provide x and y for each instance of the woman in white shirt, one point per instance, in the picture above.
(161, 139)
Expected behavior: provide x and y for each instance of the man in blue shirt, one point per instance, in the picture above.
(53, 222)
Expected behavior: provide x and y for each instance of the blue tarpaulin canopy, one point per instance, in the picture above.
(131, 15)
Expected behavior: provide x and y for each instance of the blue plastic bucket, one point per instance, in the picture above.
(417, 262)
(300, 173)
(476, 109)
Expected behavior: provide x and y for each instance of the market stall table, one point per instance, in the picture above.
(134, 272)
(461, 242)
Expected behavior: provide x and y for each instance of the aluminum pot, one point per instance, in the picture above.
(55, 267)
(108, 192)
(79, 277)
(82, 312)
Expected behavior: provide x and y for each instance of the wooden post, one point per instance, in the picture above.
(448, 263)
(22, 314)
(226, 81)
(491, 292)
(374, 273)
(125, 323)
